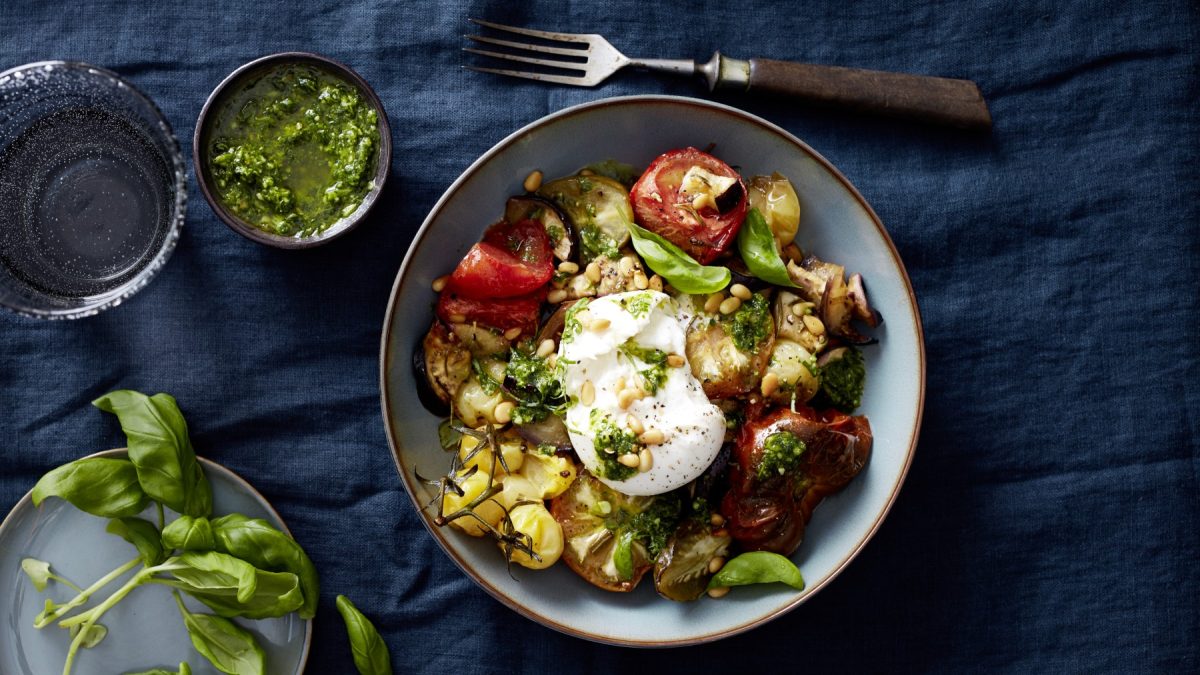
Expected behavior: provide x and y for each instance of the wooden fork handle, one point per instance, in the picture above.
(935, 100)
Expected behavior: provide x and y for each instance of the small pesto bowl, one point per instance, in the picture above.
(246, 74)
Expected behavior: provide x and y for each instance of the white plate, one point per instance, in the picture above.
(145, 630)
(837, 225)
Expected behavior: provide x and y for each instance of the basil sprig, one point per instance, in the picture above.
(758, 567)
(756, 243)
(161, 450)
(143, 535)
(675, 265)
(370, 652)
(229, 647)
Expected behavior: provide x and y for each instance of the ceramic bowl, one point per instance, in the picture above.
(245, 74)
(837, 224)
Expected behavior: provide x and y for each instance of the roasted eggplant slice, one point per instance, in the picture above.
(558, 228)
(598, 209)
(442, 364)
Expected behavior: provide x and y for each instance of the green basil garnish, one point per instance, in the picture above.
(675, 265)
(101, 486)
(370, 652)
(758, 567)
(756, 243)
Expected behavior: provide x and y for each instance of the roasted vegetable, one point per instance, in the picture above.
(558, 227)
(681, 571)
(722, 368)
(592, 515)
(598, 209)
(796, 369)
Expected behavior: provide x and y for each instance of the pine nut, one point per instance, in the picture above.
(714, 302)
(814, 325)
(720, 532)
(512, 333)
(592, 273)
(740, 292)
(625, 266)
(546, 348)
(656, 283)
(715, 565)
(717, 520)
(556, 296)
(504, 411)
(635, 425)
(533, 181)
(645, 460)
(640, 281)
(729, 305)
(675, 360)
(601, 324)
(457, 318)
(552, 361)
(801, 308)
(586, 172)
(629, 459)
(718, 592)
(587, 393)
(440, 283)
(568, 267)
(770, 384)
(652, 437)
(626, 398)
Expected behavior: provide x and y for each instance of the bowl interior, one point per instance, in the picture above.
(246, 74)
(92, 189)
(837, 225)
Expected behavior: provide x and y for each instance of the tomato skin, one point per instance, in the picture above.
(656, 194)
(513, 259)
(500, 313)
(771, 514)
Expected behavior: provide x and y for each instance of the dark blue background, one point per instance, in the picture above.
(1051, 520)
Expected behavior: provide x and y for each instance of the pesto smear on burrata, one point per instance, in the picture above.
(294, 150)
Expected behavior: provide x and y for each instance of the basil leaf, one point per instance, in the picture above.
(756, 243)
(370, 652)
(186, 533)
(675, 265)
(623, 555)
(758, 567)
(38, 572)
(95, 635)
(143, 535)
(257, 542)
(448, 436)
(233, 587)
(229, 647)
(161, 450)
(101, 486)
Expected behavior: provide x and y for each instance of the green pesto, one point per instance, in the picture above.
(593, 243)
(611, 442)
(655, 361)
(751, 324)
(781, 453)
(294, 151)
(571, 325)
(843, 379)
(655, 525)
(639, 305)
(536, 386)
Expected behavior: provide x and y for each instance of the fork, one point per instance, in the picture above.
(589, 59)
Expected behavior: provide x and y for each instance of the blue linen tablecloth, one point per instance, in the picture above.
(1051, 520)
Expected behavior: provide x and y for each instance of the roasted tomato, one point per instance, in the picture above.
(502, 313)
(692, 199)
(769, 512)
(513, 259)
(588, 511)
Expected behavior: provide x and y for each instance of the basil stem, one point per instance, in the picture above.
(101, 486)
(184, 669)
(675, 265)
(370, 652)
(161, 450)
(756, 243)
(758, 567)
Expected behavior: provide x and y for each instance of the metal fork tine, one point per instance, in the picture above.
(541, 77)
(564, 51)
(545, 35)
(565, 65)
